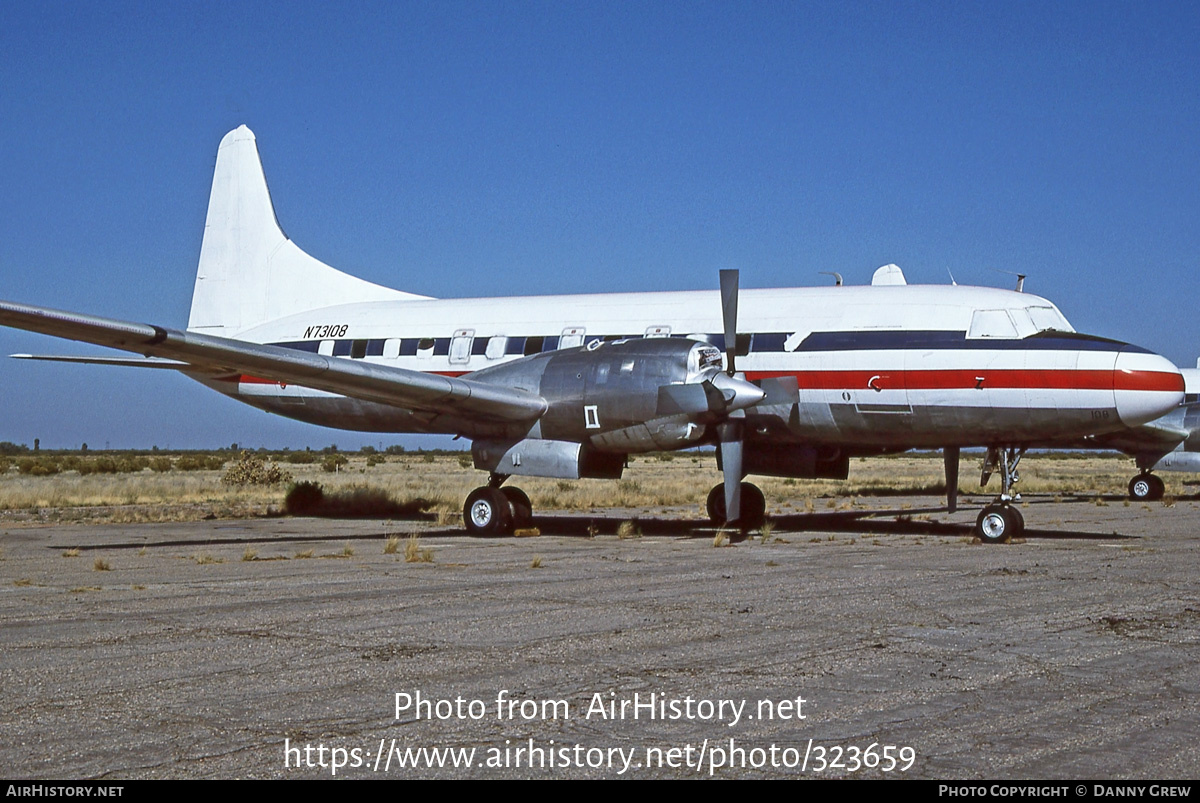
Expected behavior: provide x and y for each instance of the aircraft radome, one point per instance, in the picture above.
(569, 386)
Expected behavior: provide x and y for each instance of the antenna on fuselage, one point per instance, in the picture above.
(952, 282)
(1020, 278)
(837, 277)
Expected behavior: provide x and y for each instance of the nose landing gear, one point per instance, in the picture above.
(1000, 521)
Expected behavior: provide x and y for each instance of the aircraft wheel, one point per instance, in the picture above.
(487, 512)
(1146, 488)
(998, 523)
(715, 504)
(522, 508)
(754, 505)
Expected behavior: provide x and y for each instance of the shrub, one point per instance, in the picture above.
(37, 467)
(200, 462)
(250, 469)
(303, 498)
(301, 457)
(160, 464)
(333, 462)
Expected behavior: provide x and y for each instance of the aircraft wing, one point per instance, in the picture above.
(397, 387)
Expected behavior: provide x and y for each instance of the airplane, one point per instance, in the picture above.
(570, 386)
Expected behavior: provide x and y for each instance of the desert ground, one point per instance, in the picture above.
(164, 625)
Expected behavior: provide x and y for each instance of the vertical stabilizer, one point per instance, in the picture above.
(250, 272)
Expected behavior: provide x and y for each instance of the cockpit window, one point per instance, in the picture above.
(1048, 318)
(992, 323)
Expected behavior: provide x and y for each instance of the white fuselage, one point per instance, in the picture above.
(875, 366)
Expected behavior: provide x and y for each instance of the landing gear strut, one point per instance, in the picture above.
(492, 510)
(1146, 487)
(1000, 521)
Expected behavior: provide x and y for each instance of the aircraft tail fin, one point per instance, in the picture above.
(250, 272)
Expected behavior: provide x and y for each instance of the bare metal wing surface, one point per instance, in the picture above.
(377, 383)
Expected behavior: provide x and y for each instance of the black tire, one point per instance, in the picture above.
(522, 508)
(487, 512)
(1146, 488)
(754, 506)
(999, 523)
(715, 504)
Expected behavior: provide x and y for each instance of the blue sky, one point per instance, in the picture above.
(481, 148)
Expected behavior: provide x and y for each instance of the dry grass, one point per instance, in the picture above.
(438, 484)
(306, 554)
(70, 553)
(536, 563)
(415, 553)
(392, 546)
(627, 530)
(101, 565)
(204, 559)
(24, 581)
(250, 554)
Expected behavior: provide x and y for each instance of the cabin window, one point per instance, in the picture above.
(496, 346)
(358, 349)
(391, 348)
(533, 345)
(326, 348)
(460, 346)
(572, 337)
(425, 348)
(658, 331)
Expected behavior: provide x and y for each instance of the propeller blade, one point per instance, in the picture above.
(729, 305)
(950, 456)
(730, 432)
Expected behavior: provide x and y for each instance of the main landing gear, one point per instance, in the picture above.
(754, 506)
(1000, 521)
(1146, 487)
(492, 510)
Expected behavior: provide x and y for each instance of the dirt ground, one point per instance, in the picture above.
(874, 640)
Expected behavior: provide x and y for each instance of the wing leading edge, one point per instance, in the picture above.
(389, 385)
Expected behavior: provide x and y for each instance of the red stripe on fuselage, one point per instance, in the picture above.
(964, 379)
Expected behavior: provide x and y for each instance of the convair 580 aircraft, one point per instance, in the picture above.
(569, 386)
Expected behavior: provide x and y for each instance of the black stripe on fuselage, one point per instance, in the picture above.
(768, 342)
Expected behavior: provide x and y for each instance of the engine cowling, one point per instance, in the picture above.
(631, 395)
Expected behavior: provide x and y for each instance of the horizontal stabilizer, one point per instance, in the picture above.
(132, 362)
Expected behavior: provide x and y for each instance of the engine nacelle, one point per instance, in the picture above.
(539, 458)
(624, 396)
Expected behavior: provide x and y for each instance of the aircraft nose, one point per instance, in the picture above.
(1146, 386)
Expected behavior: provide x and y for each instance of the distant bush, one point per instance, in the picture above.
(132, 464)
(395, 449)
(38, 466)
(160, 464)
(250, 469)
(199, 462)
(333, 462)
(10, 448)
(301, 457)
